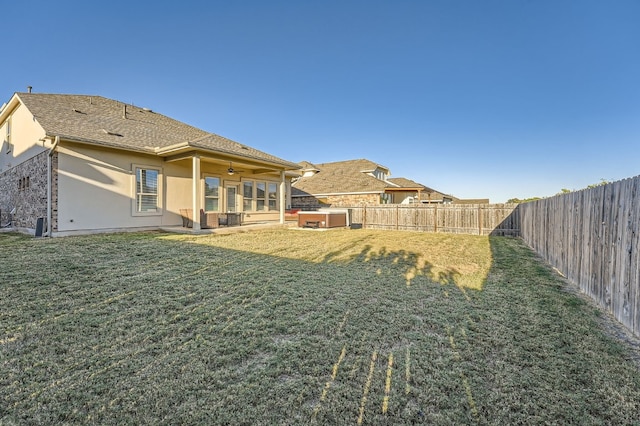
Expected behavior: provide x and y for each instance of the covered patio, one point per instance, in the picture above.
(232, 187)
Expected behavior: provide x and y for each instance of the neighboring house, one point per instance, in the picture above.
(339, 184)
(88, 163)
(410, 192)
(359, 182)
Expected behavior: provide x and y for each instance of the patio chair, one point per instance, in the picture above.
(209, 220)
(187, 217)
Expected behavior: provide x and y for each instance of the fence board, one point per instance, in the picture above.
(592, 237)
(477, 219)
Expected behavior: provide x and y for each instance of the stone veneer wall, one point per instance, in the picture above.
(354, 200)
(24, 187)
(306, 203)
(348, 200)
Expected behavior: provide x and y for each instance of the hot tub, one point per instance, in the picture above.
(323, 219)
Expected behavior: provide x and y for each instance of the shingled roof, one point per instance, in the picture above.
(341, 177)
(101, 121)
(410, 184)
(406, 183)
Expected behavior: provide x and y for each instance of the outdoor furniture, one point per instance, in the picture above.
(187, 218)
(208, 220)
(230, 219)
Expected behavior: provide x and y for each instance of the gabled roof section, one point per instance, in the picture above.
(342, 177)
(406, 183)
(307, 166)
(101, 121)
(362, 164)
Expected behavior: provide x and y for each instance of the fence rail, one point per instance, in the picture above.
(478, 219)
(592, 237)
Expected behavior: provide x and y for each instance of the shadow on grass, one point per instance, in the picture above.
(163, 329)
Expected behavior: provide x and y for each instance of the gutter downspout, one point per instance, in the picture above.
(50, 184)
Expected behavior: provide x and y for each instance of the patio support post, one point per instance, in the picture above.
(195, 178)
(283, 196)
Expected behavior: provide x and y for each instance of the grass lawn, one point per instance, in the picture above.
(300, 327)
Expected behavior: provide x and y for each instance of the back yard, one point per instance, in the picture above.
(298, 327)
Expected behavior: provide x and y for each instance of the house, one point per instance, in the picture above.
(87, 163)
(410, 192)
(359, 182)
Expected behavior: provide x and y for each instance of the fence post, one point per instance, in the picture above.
(435, 218)
(397, 216)
(364, 217)
(479, 219)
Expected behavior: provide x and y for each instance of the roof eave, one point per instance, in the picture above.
(404, 189)
(186, 147)
(10, 107)
(285, 165)
(123, 147)
(337, 193)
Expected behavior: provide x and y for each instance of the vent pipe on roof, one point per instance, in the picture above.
(29, 89)
(124, 111)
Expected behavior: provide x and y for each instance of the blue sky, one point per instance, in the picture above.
(476, 98)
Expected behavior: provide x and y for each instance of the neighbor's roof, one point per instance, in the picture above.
(406, 183)
(101, 121)
(410, 184)
(305, 165)
(341, 177)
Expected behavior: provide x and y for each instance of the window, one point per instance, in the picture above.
(273, 195)
(379, 174)
(260, 196)
(8, 137)
(24, 183)
(147, 190)
(247, 194)
(211, 194)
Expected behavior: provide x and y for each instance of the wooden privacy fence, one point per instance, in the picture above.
(478, 219)
(592, 237)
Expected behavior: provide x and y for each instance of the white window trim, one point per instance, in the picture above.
(134, 190)
(276, 199)
(266, 195)
(8, 130)
(253, 199)
(203, 195)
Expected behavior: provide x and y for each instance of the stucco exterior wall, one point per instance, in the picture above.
(25, 138)
(97, 189)
(398, 197)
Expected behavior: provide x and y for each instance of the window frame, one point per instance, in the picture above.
(266, 200)
(263, 199)
(251, 200)
(8, 135)
(205, 196)
(135, 193)
(275, 196)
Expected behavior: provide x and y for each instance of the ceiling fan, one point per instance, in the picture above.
(231, 170)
